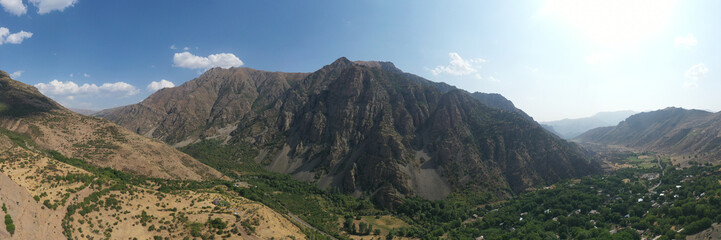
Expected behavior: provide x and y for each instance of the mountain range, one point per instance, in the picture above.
(365, 128)
(571, 128)
(684, 134)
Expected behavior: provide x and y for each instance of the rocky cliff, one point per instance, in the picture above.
(365, 128)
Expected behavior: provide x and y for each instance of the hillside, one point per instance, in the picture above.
(571, 128)
(211, 106)
(50, 196)
(26, 111)
(360, 127)
(685, 134)
(59, 179)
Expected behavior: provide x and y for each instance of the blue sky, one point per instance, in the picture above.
(553, 58)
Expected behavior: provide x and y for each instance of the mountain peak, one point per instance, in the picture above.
(387, 66)
(341, 62)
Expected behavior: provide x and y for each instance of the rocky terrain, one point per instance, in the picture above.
(365, 128)
(686, 135)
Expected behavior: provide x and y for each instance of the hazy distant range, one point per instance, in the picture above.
(571, 128)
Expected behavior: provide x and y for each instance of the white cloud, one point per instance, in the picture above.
(15, 38)
(155, 86)
(173, 47)
(186, 48)
(223, 60)
(459, 66)
(86, 75)
(493, 79)
(18, 37)
(599, 58)
(688, 41)
(59, 88)
(14, 6)
(693, 75)
(16, 74)
(46, 6)
(72, 75)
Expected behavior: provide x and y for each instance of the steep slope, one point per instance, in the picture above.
(684, 133)
(209, 106)
(369, 128)
(571, 128)
(24, 110)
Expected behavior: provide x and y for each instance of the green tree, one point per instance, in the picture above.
(9, 225)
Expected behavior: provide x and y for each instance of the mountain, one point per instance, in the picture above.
(59, 179)
(496, 100)
(24, 110)
(571, 128)
(365, 128)
(86, 112)
(686, 134)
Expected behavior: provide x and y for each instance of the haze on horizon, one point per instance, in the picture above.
(554, 59)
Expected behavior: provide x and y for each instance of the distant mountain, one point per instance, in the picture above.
(362, 127)
(681, 132)
(571, 128)
(23, 109)
(86, 112)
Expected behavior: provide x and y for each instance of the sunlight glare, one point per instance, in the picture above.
(612, 23)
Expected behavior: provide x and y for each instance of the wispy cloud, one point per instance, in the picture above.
(459, 66)
(693, 75)
(16, 74)
(687, 41)
(47, 6)
(223, 60)
(14, 38)
(155, 86)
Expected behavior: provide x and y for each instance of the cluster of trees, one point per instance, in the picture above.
(9, 225)
(362, 229)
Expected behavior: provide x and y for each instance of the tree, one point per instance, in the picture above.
(362, 228)
(9, 225)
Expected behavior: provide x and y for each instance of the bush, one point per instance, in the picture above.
(9, 225)
(218, 223)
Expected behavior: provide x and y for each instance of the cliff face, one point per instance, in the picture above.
(201, 108)
(369, 128)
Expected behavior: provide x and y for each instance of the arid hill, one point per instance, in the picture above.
(58, 180)
(685, 134)
(26, 111)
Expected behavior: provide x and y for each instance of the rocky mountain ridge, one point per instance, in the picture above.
(685, 134)
(363, 128)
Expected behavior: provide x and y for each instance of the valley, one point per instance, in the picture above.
(360, 120)
(76, 177)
